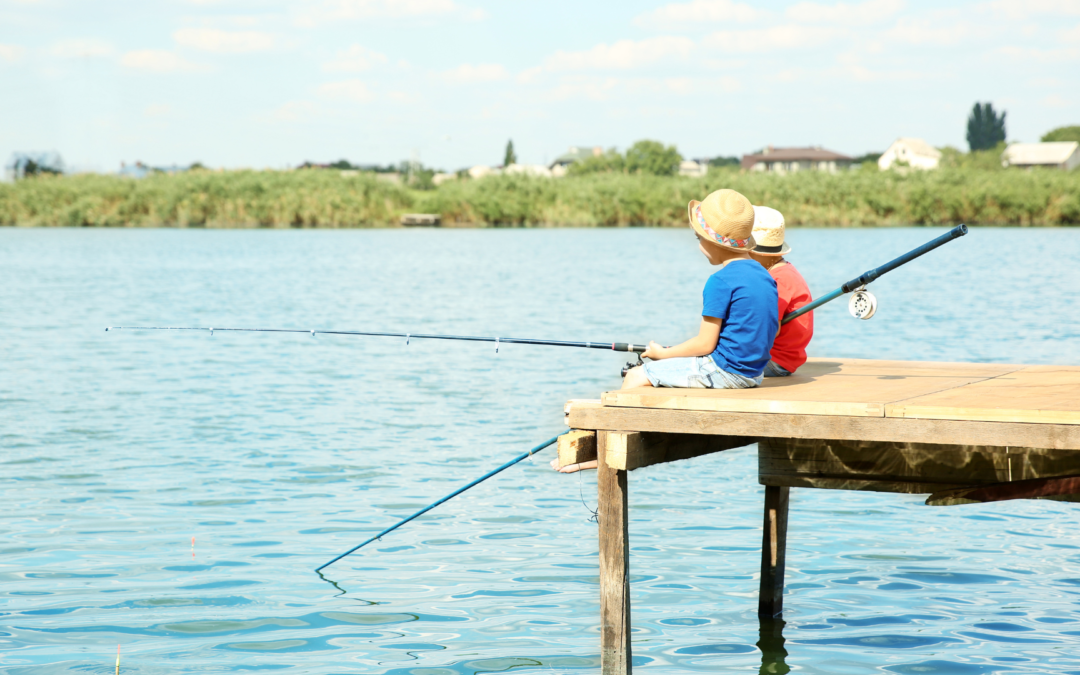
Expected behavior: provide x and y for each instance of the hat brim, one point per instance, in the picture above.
(708, 237)
(784, 250)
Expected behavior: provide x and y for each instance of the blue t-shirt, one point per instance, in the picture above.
(742, 295)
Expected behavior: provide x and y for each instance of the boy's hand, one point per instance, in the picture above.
(654, 352)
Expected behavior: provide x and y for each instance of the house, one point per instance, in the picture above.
(1062, 155)
(576, 154)
(792, 160)
(694, 168)
(913, 152)
(527, 170)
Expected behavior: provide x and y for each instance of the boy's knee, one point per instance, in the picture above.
(636, 377)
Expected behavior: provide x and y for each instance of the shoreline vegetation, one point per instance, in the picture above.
(333, 199)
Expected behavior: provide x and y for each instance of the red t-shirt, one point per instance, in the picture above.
(789, 348)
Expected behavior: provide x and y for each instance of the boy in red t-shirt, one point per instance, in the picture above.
(789, 349)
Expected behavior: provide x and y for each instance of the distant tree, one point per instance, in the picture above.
(868, 157)
(652, 157)
(26, 165)
(195, 166)
(985, 128)
(341, 165)
(510, 157)
(724, 161)
(608, 162)
(1062, 134)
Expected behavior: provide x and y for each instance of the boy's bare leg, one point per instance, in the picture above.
(635, 377)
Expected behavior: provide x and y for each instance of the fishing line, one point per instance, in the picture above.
(595, 518)
(455, 493)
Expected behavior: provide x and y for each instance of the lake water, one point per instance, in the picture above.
(277, 452)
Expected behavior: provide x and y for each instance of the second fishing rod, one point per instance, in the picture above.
(863, 306)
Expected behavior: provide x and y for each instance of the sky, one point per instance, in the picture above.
(274, 83)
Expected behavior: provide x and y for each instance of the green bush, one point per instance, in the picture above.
(318, 198)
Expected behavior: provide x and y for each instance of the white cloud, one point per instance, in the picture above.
(787, 36)
(81, 48)
(468, 73)
(1021, 9)
(920, 31)
(294, 111)
(11, 53)
(706, 87)
(223, 41)
(337, 10)
(1055, 101)
(1040, 55)
(156, 110)
(591, 88)
(158, 61)
(623, 54)
(350, 90)
(1070, 35)
(871, 11)
(354, 59)
(690, 14)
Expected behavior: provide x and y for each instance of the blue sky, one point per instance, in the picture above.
(271, 83)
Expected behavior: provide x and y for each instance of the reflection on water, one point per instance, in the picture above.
(279, 452)
(771, 645)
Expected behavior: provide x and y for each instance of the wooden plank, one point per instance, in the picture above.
(1034, 395)
(577, 446)
(849, 387)
(903, 467)
(773, 552)
(613, 507)
(1064, 488)
(590, 415)
(636, 450)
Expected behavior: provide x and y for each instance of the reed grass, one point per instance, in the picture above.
(321, 198)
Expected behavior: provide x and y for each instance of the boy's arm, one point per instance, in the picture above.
(701, 344)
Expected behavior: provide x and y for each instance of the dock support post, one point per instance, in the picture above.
(614, 560)
(773, 548)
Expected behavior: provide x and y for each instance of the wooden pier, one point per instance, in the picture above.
(961, 432)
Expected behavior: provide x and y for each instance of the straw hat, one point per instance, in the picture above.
(769, 232)
(725, 218)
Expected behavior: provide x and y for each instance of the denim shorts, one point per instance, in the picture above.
(773, 369)
(695, 372)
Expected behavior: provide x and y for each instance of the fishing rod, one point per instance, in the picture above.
(447, 498)
(609, 346)
(863, 305)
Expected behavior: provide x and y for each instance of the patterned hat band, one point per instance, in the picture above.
(727, 241)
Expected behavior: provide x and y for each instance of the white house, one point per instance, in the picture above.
(693, 168)
(1064, 155)
(527, 170)
(913, 152)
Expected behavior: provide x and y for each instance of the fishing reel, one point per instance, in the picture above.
(631, 364)
(862, 304)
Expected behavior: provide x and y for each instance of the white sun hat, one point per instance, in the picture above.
(769, 232)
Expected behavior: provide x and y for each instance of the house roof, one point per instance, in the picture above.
(813, 154)
(917, 146)
(1040, 153)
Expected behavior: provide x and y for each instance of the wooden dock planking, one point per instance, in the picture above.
(965, 432)
(1034, 395)
(849, 388)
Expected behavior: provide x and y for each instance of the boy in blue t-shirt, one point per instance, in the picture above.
(739, 317)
